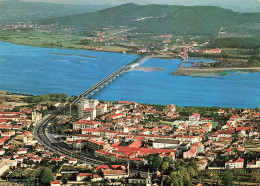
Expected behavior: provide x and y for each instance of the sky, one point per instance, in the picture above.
(183, 2)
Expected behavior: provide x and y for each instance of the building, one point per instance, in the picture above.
(96, 145)
(165, 143)
(194, 117)
(3, 168)
(85, 124)
(207, 127)
(87, 104)
(84, 176)
(113, 171)
(239, 163)
(36, 116)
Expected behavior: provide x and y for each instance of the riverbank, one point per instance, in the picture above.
(212, 72)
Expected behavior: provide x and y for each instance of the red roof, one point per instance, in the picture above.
(196, 115)
(243, 128)
(4, 139)
(97, 142)
(55, 182)
(116, 144)
(125, 102)
(27, 133)
(85, 174)
(136, 144)
(239, 160)
(102, 167)
(3, 120)
(10, 113)
(116, 115)
(230, 161)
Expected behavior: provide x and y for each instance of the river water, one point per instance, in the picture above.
(36, 70)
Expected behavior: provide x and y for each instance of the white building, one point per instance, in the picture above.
(194, 117)
(165, 143)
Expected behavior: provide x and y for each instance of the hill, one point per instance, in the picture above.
(16, 11)
(199, 20)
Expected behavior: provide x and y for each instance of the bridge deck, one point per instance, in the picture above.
(111, 76)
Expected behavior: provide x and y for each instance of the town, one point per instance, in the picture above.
(112, 39)
(136, 144)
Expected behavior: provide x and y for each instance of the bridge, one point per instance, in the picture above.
(44, 138)
(111, 77)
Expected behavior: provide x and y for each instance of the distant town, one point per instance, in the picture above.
(120, 39)
(126, 143)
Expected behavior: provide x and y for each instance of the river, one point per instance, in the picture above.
(34, 70)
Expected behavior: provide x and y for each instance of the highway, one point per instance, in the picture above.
(42, 137)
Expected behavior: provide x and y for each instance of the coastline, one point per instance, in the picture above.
(190, 71)
(66, 48)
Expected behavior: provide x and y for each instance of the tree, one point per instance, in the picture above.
(228, 178)
(46, 176)
(175, 179)
(157, 163)
(165, 167)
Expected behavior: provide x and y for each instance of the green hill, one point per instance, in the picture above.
(201, 20)
(16, 11)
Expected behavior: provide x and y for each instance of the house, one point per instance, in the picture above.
(220, 111)
(194, 117)
(190, 153)
(56, 160)
(22, 151)
(239, 163)
(202, 164)
(73, 161)
(36, 159)
(55, 183)
(11, 163)
(4, 139)
(39, 149)
(96, 178)
(19, 159)
(207, 127)
(2, 151)
(84, 176)
(230, 164)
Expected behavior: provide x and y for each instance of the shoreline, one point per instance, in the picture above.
(190, 71)
(67, 48)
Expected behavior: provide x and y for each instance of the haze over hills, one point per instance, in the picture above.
(235, 5)
(14, 10)
(201, 20)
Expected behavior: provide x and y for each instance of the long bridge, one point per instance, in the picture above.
(42, 135)
(111, 77)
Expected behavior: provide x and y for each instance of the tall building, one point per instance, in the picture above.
(87, 108)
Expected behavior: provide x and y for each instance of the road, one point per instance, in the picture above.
(43, 137)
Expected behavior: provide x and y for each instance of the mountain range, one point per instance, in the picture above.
(199, 20)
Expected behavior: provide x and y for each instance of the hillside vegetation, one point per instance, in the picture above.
(16, 11)
(199, 20)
